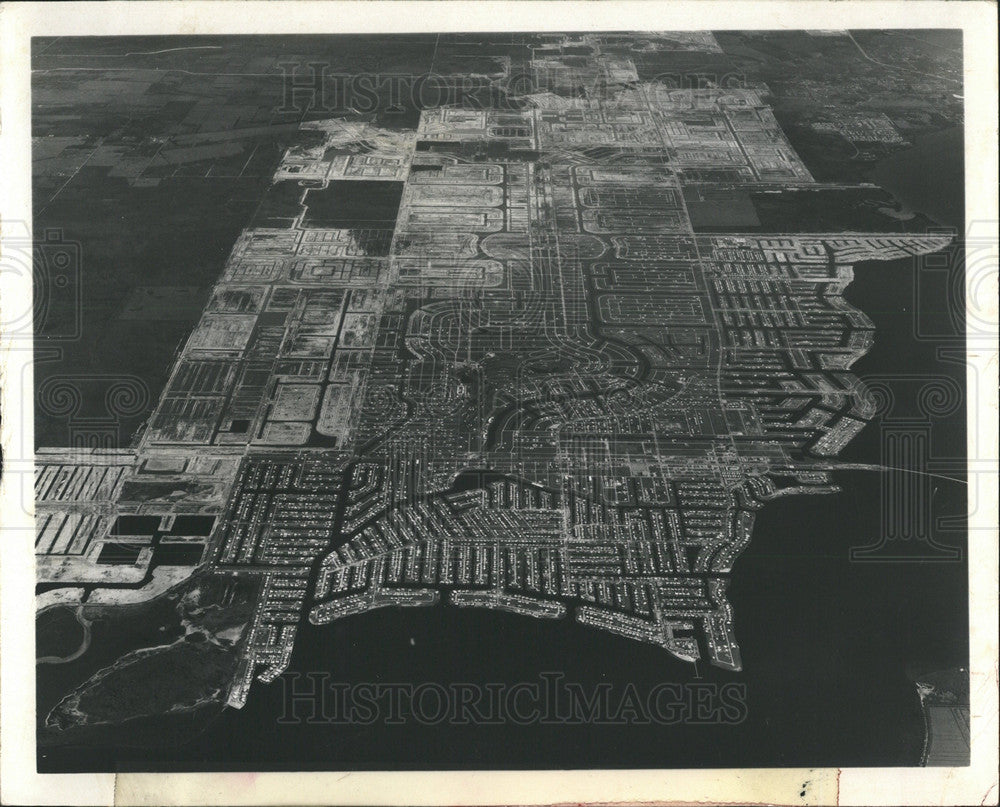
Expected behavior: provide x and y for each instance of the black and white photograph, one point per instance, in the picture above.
(503, 400)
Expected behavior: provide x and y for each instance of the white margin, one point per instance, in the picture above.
(859, 786)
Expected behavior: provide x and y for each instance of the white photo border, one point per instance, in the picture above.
(869, 786)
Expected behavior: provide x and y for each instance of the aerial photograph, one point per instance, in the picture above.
(520, 401)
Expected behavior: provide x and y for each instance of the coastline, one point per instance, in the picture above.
(923, 176)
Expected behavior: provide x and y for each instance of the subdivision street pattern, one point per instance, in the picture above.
(558, 378)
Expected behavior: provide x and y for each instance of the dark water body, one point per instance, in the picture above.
(929, 177)
(831, 642)
(59, 633)
(114, 633)
(827, 645)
